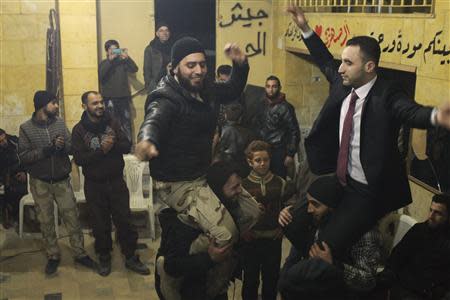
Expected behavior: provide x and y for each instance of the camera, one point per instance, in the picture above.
(117, 51)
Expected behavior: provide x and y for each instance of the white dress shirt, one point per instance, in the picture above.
(354, 166)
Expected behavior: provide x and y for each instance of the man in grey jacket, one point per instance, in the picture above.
(44, 144)
(157, 57)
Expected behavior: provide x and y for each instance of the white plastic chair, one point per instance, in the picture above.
(79, 194)
(28, 200)
(134, 170)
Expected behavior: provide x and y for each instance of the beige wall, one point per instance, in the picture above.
(79, 54)
(22, 71)
(252, 33)
(132, 25)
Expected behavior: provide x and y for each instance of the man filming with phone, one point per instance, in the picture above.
(113, 75)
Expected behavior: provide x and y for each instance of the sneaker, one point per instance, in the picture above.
(86, 261)
(134, 264)
(104, 265)
(52, 266)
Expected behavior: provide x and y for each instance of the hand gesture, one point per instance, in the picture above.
(298, 16)
(443, 116)
(146, 150)
(124, 54)
(59, 142)
(219, 254)
(324, 254)
(21, 176)
(111, 55)
(107, 143)
(288, 160)
(233, 52)
(285, 216)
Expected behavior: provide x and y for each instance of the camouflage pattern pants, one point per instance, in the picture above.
(199, 207)
(44, 195)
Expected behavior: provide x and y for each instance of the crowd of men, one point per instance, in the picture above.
(227, 187)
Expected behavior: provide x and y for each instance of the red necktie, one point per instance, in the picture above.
(344, 149)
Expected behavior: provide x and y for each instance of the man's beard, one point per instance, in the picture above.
(186, 83)
(275, 96)
(50, 114)
(93, 115)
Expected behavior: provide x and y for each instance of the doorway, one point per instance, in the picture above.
(195, 18)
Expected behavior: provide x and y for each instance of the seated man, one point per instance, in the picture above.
(311, 271)
(189, 265)
(419, 266)
(12, 176)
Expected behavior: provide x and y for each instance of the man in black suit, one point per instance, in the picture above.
(355, 135)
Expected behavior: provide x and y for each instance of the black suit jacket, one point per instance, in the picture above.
(386, 108)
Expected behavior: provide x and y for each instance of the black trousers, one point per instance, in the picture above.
(357, 213)
(277, 161)
(108, 199)
(262, 256)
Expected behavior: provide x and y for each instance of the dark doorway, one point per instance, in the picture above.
(196, 18)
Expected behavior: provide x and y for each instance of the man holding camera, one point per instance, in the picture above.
(113, 75)
(44, 144)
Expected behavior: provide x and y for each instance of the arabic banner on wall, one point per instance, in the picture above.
(247, 23)
(423, 43)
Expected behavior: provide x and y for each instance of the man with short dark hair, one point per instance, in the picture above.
(312, 271)
(12, 177)
(113, 76)
(157, 56)
(98, 147)
(223, 73)
(356, 134)
(419, 266)
(44, 145)
(279, 127)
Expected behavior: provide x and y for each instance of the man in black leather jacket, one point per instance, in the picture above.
(180, 121)
(279, 127)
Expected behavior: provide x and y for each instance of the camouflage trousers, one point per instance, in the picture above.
(44, 195)
(199, 207)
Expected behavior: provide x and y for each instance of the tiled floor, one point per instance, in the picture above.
(22, 277)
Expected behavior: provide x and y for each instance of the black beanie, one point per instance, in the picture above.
(41, 99)
(327, 190)
(183, 47)
(218, 174)
(160, 24)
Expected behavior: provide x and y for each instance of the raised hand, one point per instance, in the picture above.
(298, 16)
(233, 52)
(443, 115)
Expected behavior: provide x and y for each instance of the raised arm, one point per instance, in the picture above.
(230, 90)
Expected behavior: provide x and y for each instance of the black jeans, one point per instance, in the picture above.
(277, 161)
(262, 256)
(106, 199)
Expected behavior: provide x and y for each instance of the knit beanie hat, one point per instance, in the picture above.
(327, 190)
(183, 47)
(219, 173)
(42, 98)
(161, 24)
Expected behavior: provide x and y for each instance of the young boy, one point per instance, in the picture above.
(262, 247)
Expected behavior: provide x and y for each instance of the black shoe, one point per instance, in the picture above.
(86, 261)
(134, 264)
(52, 266)
(104, 265)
